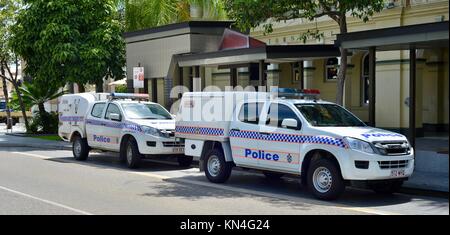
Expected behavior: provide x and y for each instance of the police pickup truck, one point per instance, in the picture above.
(121, 123)
(291, 133)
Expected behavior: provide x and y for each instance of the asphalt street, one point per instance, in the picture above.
(51, 182)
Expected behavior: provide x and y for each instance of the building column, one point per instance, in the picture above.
(372, 85)
(308, 74)
(412, 96)
(261, 82)
(196, 79)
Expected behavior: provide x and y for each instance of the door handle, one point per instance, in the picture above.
(103, 124)
(235, 129)
(264, 133)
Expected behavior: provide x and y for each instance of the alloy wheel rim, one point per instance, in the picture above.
(129, 154)
(77, 148)
(213, 166)
(322, 179)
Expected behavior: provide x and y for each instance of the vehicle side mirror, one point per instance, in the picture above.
(290, 123)
(115, 117)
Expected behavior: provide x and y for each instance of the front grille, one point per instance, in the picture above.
(393, 164)
(393, 148)
(173, 144)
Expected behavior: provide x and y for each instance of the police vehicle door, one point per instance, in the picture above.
(94, 122)
(113, 128)
(244, 133)
(280, 143)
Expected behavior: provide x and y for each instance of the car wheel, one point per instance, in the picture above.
(184, 161)
(324, 179)
(217, 170)
(131, 152)
(273, 175)
(388, 187)
(80, 148)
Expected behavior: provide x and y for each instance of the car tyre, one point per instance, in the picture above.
(184, 161)
(80, 148)
(324, 179)
(217, 170)
(130, 153)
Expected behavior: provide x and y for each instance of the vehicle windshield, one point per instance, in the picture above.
(146, 111)
(328, 115)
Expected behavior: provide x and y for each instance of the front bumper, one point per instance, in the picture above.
(380, 167)
(160, 146)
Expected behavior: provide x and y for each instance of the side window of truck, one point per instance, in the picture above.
(112, 108)
(97, 110)
(279, 112)
(250, 112)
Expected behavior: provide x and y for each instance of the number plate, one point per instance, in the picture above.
(178, 150)
(397, 173)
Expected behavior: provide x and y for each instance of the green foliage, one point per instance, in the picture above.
(45, 123)
(70, 41)
(121, 89)
(35, 93)
(14, 102)
(252, 13)
(141, 14)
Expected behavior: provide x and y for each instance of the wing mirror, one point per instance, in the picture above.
(115, 117)
(290, 123)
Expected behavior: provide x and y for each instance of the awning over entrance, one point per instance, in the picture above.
(411, 37)
(269, 54)
(421, 36)
(238, 48)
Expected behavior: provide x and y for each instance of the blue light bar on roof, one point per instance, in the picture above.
(129, 96)
(292, 92)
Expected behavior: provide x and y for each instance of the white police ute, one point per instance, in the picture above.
(119, 122)
(295, 133)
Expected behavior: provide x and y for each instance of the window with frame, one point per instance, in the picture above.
(112, 108)
(365, 80)
(97, 110)
(331, 69)
(250, 112)
(278, 112)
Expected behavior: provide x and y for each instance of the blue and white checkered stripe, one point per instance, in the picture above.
(71, 118)
(117, 125)
(289, 138)
(200, 130)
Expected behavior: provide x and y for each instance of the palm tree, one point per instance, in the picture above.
(141, 14)
(36, 94)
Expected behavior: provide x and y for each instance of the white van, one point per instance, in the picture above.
(120, 123)
(320, 141)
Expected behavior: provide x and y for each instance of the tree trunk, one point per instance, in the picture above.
(343, 66)
(71, 88)
(44, 118)
(81, 88)
(99, 86)
(5, 93)
(22, 106)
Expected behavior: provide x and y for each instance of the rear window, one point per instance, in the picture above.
(97, 110)
(250, 112)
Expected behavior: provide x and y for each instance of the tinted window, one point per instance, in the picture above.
(328, 115)
(2, 105)
(279, 112)
(250, 112)
(112, 108)
(145, 111)
(97, 110)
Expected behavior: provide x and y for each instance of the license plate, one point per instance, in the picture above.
(178, 150)
(397, 173)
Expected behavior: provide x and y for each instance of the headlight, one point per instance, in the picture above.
(151, 131)
(359, 145)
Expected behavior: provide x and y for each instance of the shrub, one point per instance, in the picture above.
(37, 123)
